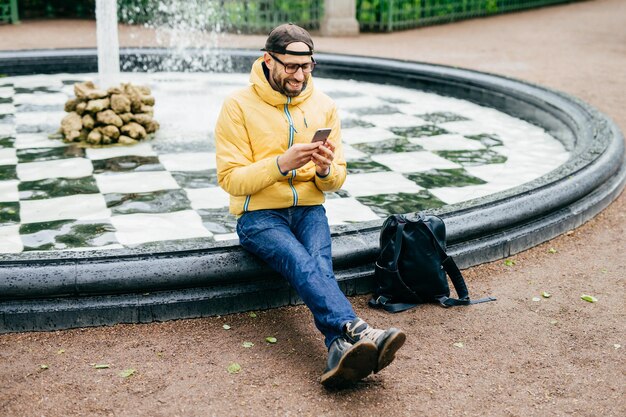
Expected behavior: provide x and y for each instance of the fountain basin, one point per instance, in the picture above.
(43, 291)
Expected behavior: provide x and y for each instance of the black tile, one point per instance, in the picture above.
(218, 221)
(47, 129)
(473, 158)
(388, 146)
(386, 204)
(196, 179)
(394, 100)
(49, 154)
(343, 94)
(419, 131)
(166, 201)
(364, 111)
(7, 141)
(57, 187)
(487, 139)
(438, 178)
(128, 163)
(348, 123)
(8, 172)
(28, 107)
(442, 117)
(361, 167)
(9, 212)
(65, 234)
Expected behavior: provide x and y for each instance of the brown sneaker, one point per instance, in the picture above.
(387, 341)
(348, 363)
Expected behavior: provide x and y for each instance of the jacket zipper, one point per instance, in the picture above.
(292, 129)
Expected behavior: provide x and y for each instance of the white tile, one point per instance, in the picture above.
(207, 198)
(135, 182)
(133, 229)
(191, 161)
(514, 171)
(6, 92)
(414, 161)
(9, 191)
(226, 236)
(453, 195)
(41, 99)
(7, 130)
(38, 118)
(7, 108)
(468, 127)
(34, 81)
(8, 156)
(347, 210)
(79, 207)
(36, 140)
(180, 123)
(449, 142)
(394, 120)
(10, 241)
(140, 149)
(60, 168)
(364, 135)
(379, 183)
(351, 154)
(360, 102)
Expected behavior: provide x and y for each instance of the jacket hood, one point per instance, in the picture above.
(263, 88)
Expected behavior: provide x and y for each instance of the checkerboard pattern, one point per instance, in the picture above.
(406, 151)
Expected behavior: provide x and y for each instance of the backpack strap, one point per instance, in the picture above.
(382, 301)
(456, 277)
(454, 273)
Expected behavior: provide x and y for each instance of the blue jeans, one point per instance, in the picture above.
(296, 243)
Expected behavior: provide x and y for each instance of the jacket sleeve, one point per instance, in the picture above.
(237, 171)
(337, 174)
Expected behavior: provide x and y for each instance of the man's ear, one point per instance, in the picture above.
(267, 59)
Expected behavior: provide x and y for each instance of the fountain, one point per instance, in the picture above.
(108, 43)
(121, 275)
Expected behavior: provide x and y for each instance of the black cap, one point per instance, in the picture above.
(283, 35)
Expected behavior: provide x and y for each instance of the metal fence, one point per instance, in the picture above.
(261, 16)
(390, 15)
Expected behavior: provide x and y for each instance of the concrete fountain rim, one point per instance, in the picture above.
(480, 230)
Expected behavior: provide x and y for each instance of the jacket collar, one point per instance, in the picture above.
(263, 88)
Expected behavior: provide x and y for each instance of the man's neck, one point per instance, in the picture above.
(266, 71)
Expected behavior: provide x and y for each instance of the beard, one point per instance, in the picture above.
(282, 85)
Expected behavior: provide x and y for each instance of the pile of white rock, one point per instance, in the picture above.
(121, 115)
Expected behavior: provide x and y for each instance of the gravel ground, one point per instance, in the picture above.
(519, 357)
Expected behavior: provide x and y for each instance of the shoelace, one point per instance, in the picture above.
(368, 332)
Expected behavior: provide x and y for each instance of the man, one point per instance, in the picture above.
(276, 177)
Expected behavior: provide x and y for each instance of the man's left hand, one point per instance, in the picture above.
(323, 158)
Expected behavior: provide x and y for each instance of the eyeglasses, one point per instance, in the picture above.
(293, 68)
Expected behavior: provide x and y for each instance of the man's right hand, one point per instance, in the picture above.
(297, 156)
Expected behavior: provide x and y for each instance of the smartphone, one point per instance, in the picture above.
(321, 135)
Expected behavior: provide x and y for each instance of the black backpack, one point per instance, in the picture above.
(412, 265)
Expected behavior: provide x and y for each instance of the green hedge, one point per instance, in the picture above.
(389, 15)
(35, 9)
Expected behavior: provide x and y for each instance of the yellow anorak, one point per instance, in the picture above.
(255, 126)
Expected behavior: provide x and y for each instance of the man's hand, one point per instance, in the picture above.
(297, 156)
(323, 158)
